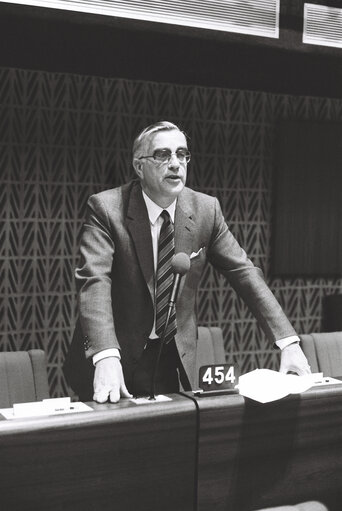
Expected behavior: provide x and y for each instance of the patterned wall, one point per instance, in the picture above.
(64, 137)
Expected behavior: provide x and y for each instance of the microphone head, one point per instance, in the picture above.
(180, 263)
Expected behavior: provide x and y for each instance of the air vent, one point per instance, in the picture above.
(255, 17)
(322, 25)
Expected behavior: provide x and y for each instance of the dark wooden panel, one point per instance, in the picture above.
(123, 456)
(307, 234)
(220, 429)
(253, 456)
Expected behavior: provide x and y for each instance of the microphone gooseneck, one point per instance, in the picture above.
(180, 265)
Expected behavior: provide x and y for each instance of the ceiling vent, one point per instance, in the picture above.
(322, 25)
(254, 17)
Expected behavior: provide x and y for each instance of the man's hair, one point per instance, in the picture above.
(150, 130)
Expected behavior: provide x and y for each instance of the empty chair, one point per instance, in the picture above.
(23, 377)
(210, 347)
(324, 352)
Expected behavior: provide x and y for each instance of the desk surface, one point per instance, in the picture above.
(224, 453)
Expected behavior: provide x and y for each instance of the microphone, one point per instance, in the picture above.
(180, 265)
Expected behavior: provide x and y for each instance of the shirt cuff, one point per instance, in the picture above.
(111, 352)
(282, 343)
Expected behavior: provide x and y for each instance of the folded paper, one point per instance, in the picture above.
(265, 385)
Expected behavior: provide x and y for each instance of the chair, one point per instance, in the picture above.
(23, 377)
(210, 347)
(324, 352)
(304, 506)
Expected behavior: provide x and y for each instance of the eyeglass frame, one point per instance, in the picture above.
(186, 158)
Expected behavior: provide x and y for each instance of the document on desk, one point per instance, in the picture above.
(265, 385)
(148, 401)
(54, 406)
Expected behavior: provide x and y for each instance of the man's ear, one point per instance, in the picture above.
(137, 165)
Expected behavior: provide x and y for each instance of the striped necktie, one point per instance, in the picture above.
(166, 250)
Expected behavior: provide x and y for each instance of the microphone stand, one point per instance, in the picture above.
(161, 345)
(180, 265)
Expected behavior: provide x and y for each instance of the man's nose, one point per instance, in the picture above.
(174, 162)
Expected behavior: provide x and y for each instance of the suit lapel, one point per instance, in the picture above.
(184, 225)
(138, 225)
(184, 229)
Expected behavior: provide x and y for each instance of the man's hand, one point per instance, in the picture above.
(109, 381)
(293, 359)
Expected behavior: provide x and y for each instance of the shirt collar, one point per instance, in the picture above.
(154, 210)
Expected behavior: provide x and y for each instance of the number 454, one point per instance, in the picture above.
(218, 375)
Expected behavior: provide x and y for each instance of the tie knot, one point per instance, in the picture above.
(165, 215)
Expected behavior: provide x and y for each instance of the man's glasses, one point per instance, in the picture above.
(164, 155)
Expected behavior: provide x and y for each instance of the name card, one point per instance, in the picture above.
(218, 377)
(53, 406)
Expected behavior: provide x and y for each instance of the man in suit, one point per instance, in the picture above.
(117, 327)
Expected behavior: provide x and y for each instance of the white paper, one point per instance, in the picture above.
(147, 400)
(265, 385)
(55, 406)
(328, 380)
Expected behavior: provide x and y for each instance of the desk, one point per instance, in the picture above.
(252, 456)
(220, 453)
(120, 457)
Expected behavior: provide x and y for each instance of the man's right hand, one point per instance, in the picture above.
(109, 381)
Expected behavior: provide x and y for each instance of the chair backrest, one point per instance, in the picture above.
(308, 346)
(324, 352)
(210, 347)
(23, 377)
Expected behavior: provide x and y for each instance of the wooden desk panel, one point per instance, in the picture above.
(135, 458)
(220, 424)
(253, 456)
(120, 457)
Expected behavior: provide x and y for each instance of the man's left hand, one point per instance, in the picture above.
(293, 359)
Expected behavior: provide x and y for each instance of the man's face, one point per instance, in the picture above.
(164, 181)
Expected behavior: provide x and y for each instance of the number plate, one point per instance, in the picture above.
(218, 377)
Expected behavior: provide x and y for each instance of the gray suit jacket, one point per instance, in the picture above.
(115, 278)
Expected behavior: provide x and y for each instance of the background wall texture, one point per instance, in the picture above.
(64, 137)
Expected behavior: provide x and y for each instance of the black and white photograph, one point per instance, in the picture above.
(171, 255)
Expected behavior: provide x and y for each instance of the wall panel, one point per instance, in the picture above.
(63, 137)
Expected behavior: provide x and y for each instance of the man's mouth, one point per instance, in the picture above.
(173, 177)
